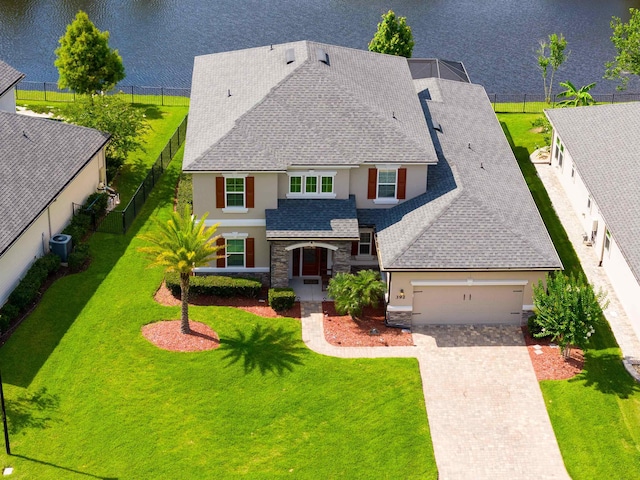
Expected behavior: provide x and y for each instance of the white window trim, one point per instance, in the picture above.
(386, 200)
(243, 209)
(303, 174)
(366, 256)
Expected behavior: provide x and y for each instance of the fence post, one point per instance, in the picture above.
(124, 221)
(524, 104)
(131, 93)
(162, 95)
(613, 96)
(44, 88)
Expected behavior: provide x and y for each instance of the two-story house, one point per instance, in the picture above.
(595, 155)
(316, 159)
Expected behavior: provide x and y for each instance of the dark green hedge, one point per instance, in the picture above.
(216, 285)
(281, 299)
(27, 290)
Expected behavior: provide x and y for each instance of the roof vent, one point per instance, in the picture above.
(438, 127)
(322, 56)
(290, 55)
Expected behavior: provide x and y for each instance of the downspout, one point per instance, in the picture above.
(604, 240)
(386, 301)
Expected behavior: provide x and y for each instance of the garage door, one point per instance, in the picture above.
(467, 304)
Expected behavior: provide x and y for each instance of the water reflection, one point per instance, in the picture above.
(496, 39)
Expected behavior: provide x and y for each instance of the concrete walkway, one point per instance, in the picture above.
(485, 409)
(620, 323)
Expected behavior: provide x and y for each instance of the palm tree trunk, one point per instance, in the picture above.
(184, 294)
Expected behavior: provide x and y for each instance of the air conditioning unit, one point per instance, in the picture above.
(61, 245)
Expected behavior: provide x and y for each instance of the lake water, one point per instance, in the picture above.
(496, 39)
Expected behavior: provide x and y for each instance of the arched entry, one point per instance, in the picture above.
(311, 259)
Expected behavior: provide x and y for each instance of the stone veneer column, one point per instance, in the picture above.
(279, 264)
(341, 257)
(400, 318)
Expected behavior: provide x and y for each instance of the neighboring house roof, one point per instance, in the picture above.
(9, 76)
(477, 212)
(38, 159)
(251, 110)
(313, 219)
(604, 143)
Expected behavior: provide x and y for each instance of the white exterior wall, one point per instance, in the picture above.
(34, 242)
(8, 101)
(622, 279)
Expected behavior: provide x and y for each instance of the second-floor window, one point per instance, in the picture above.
(387, 185)
(235, 193)
(311, 183)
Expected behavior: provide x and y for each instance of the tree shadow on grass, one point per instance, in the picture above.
(31, 410)
(266, 349)
(605, 373)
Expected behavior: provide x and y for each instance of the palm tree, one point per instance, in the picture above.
(180, 244)
(353, 292)
(581, 96)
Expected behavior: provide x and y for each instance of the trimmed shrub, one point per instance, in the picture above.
(10, 312)
(24, 293)
(50, 262)
(281, 299)
(217, 285)
(97, 203)
(78, 257)
(5, 321)
(533, 326)
(78, 227)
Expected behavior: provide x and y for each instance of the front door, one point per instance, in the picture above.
(310, 261)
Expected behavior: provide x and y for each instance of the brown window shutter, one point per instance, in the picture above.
(373, 183)
(373, 244)
(402, 183)
(221, 262)
(249, 182)
(354, 248)
(220, 192)
(250, 253)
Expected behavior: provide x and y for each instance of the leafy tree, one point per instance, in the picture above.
(626, 40)
(351, 293)
(579, 97)
(568, 310)
(551, 55)
(393, 37)
(84, 60)
(112, 114)
(180, 244)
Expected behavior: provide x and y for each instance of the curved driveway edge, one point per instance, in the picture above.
(485, 409)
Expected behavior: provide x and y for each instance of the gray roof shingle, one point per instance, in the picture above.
(604, 141)
(478, 212)
(313, 219)
(360, 108)
(9, 76)
(38, 158)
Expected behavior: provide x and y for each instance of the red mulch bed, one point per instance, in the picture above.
(166, 335)
(343, 331)
(550, 364)
(164, 297)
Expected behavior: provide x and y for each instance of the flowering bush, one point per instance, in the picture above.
(568, 310)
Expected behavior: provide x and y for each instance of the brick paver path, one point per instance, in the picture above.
(486, 413)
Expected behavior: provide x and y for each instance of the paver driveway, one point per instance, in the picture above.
(486, 412)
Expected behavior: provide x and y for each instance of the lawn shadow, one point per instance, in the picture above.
(606, 374)
(31, 410)
(265, 349)
(49, 464)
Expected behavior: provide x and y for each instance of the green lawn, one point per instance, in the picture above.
(596, 415)
(89, 397)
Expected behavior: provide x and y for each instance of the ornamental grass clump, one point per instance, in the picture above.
(568, 310)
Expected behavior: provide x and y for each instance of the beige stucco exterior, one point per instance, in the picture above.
(34, 241)
(626, 286)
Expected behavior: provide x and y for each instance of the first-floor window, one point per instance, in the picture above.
(235, 252)
(387, 183)
(607, 240)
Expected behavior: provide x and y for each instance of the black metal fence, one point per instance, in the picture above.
(119, 220)
(49, 92)
(535, 103)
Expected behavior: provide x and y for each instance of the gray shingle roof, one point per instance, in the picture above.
(9, 76)
(477, 212)
(313, 219)
(360, 108)
(604, 143)
(38, 157)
